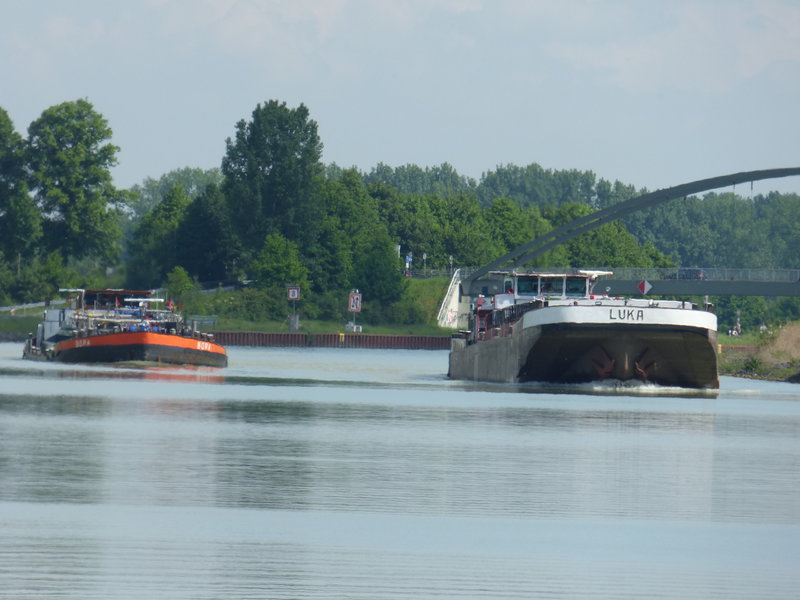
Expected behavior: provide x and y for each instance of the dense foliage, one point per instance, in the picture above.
(273, 214)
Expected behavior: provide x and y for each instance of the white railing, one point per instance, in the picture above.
(448, 317)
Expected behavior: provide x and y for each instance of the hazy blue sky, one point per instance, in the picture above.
(651, 93)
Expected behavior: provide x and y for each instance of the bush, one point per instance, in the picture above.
(753, 365)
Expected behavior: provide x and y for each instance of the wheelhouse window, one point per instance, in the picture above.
(552, 286)
(527, 286)
(576, 286)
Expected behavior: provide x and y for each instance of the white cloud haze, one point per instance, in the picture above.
(651, 93)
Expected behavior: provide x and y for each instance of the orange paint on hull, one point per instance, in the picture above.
(141, 345)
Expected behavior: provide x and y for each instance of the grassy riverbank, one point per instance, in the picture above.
(774, 355)
(312, 326)
(18, 326)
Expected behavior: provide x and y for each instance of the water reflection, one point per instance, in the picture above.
(43, 461)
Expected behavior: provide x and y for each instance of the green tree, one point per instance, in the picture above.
(682, 229)
(535, 186)
(349, 223)
(413, 222)
(777, 215)
(349, 214)
(279, 263)
(152, 191)
(607, 195)
(70, 160)
(206, 245)
(465, 233)
(272, 168)
(179, 283)
(557, 256)
(20, 220)
(154, 248)
(7, 280)
(378, 276)
(609, 245)
(412, 179)
(751, 312)
(508, 224)
(41, 277)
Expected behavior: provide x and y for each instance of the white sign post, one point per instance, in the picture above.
(354, 306)
(293, 295)
(354, 302)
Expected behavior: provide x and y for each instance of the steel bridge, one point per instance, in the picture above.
(466, 284)
(713, 282)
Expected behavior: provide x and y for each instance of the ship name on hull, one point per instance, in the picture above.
(626, 314)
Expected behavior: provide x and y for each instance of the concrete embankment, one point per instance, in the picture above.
(332, 340)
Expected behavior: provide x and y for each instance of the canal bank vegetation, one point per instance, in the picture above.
(772, 354)
(273, 215)
(415, 313)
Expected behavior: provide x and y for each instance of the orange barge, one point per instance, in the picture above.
(115, 325)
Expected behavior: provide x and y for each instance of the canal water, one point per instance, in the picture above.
(366, 474)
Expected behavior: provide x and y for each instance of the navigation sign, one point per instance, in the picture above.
(293, 293)
(645, 286)
(354, 302)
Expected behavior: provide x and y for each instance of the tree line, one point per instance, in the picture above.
(274, 214)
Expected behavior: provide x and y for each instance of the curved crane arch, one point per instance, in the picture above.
(566, 232)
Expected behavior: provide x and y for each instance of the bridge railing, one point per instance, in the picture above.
(706, 274)
(683, 273)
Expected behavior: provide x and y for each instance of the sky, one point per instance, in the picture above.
(652, 94)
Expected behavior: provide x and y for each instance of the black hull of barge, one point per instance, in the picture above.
(567, 353)
(664, 355)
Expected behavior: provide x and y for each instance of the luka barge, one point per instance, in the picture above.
(554, 328)
(115, 325)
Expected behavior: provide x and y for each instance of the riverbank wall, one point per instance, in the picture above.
(309, 340)
(332, 340)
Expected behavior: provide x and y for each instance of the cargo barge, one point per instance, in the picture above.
(117, 325)
(553, 327)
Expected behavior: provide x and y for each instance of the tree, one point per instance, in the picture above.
(609, 245)
(41, 277)
(154, 248)
(508, 224)
(70, 160)
(780, 214)
(411, 179)
(279, 263)
(205, 243)
(152, 191)
(535, 186)
(749, 311)
(179, 283)
(607, 195)
(20, 221)
(271, 171)
(349, 215)
(465, 234)
(377, 274)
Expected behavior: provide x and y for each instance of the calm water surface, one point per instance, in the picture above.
(323, 473)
